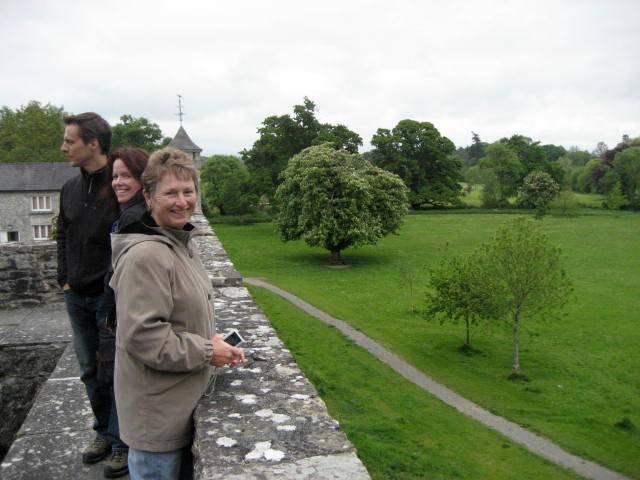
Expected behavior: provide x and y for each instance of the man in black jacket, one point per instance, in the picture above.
(87, 210)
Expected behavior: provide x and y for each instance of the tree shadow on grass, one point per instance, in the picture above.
(355, 259)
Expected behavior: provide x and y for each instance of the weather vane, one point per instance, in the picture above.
(180, 114)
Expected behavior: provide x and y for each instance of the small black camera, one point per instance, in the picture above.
(233, 338)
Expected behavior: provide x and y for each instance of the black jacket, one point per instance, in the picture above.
(130, 214)
(88, 208)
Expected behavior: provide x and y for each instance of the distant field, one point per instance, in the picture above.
(472, 199)
(583, 369)
(590, 200)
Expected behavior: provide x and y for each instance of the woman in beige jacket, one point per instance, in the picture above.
(166, 340)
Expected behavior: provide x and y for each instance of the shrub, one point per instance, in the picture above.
(537, 191)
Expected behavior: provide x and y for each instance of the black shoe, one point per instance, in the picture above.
(117, 465)
(98, 449)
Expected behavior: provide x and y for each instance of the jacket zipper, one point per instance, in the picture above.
(86, 198)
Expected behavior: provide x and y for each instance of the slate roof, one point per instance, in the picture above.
(19, 177)
(182, 142)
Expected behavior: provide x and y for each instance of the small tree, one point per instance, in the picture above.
(491, 195)
(537, 191)
(226, 185)
(408, 279)
(460, 291)
(526, 277)
(334, 199)
(616, 199)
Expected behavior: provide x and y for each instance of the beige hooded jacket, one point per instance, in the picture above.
(164, 305)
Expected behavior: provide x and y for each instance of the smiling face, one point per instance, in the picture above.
(124, 184)
(173, 201)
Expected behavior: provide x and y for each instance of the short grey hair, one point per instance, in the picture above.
(168, 160)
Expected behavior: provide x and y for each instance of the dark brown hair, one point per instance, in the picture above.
(91, 126)
(135, 159)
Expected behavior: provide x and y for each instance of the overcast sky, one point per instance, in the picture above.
(562, 72)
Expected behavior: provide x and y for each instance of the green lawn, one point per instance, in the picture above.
(474, 198)
(400, 431)
(591, 200)
(584, 369)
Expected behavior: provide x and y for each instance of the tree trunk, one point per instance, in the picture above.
(335, 259)
(466, 321)
(516, 344)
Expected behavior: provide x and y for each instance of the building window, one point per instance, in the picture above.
(41, 232)
(41, 203)
(6, 237)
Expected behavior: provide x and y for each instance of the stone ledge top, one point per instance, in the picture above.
(264, 420)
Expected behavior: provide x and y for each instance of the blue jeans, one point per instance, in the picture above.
(87, 317)
(158, 465)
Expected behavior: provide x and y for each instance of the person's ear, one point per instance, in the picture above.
(94, 144)
(147, 199)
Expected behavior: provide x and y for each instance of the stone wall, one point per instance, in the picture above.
(263, 420)
(28, 275)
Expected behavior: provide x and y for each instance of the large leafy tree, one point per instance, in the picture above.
(283, 136)
(417, 153)
(613, 166)
(137, 132)
(530, 153)
(504, 163)
(476, 149)
(32, 133)
(626, 165)
(226, 185)
(335, 199)
(534, 157)
(554, 152)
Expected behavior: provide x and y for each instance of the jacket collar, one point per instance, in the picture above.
(96, 173)
(180, 237)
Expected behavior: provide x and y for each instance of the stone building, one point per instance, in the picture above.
(30, 199)
(182, 142)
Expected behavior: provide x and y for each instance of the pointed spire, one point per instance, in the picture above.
(182, 142)
(180, 114)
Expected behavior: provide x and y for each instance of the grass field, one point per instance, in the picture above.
(590, 200)
(400, 431)
(583, 370)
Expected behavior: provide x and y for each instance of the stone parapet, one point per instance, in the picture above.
(263, 420)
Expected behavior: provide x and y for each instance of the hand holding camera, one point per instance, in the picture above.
(225, 351)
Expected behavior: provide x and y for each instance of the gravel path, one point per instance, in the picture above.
(535, 443)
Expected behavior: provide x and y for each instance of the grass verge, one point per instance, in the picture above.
(400, 431)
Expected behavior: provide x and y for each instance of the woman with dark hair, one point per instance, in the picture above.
(125, 166)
